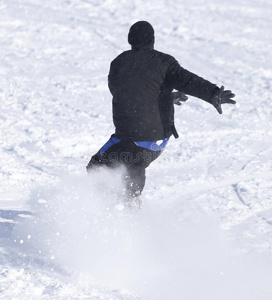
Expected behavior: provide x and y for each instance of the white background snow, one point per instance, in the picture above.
(205, 229)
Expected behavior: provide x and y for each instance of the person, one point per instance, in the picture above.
(141, 81)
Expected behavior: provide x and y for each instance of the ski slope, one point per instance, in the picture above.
(205, 228)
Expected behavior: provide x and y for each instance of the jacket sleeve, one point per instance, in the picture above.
(190, 83)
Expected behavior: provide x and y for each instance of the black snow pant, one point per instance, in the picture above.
(135, 159)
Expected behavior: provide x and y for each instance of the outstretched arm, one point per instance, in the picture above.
(191, 84)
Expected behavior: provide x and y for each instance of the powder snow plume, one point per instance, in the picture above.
(79, 226)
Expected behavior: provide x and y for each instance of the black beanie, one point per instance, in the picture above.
(141, 34)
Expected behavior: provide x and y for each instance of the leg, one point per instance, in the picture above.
(134, 180)
(94, 163)
(106, 156)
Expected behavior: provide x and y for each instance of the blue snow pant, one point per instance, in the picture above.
(135, 159)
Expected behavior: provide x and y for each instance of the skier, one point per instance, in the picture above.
(141, 81)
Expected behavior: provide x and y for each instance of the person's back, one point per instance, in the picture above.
(138, 83)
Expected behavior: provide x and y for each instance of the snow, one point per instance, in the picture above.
(205, 228)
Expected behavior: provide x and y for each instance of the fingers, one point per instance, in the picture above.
(226, 97)
(221, 90)
(228, 94)
(184, 98)
(225, 94)
(181, 96)
(219, 109)
(229, 101)
(177, 102)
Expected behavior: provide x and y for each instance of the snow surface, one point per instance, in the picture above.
(205, 229)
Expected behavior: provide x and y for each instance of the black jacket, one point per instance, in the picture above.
(141, 81)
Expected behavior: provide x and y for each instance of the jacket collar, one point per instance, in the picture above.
(140, 47)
